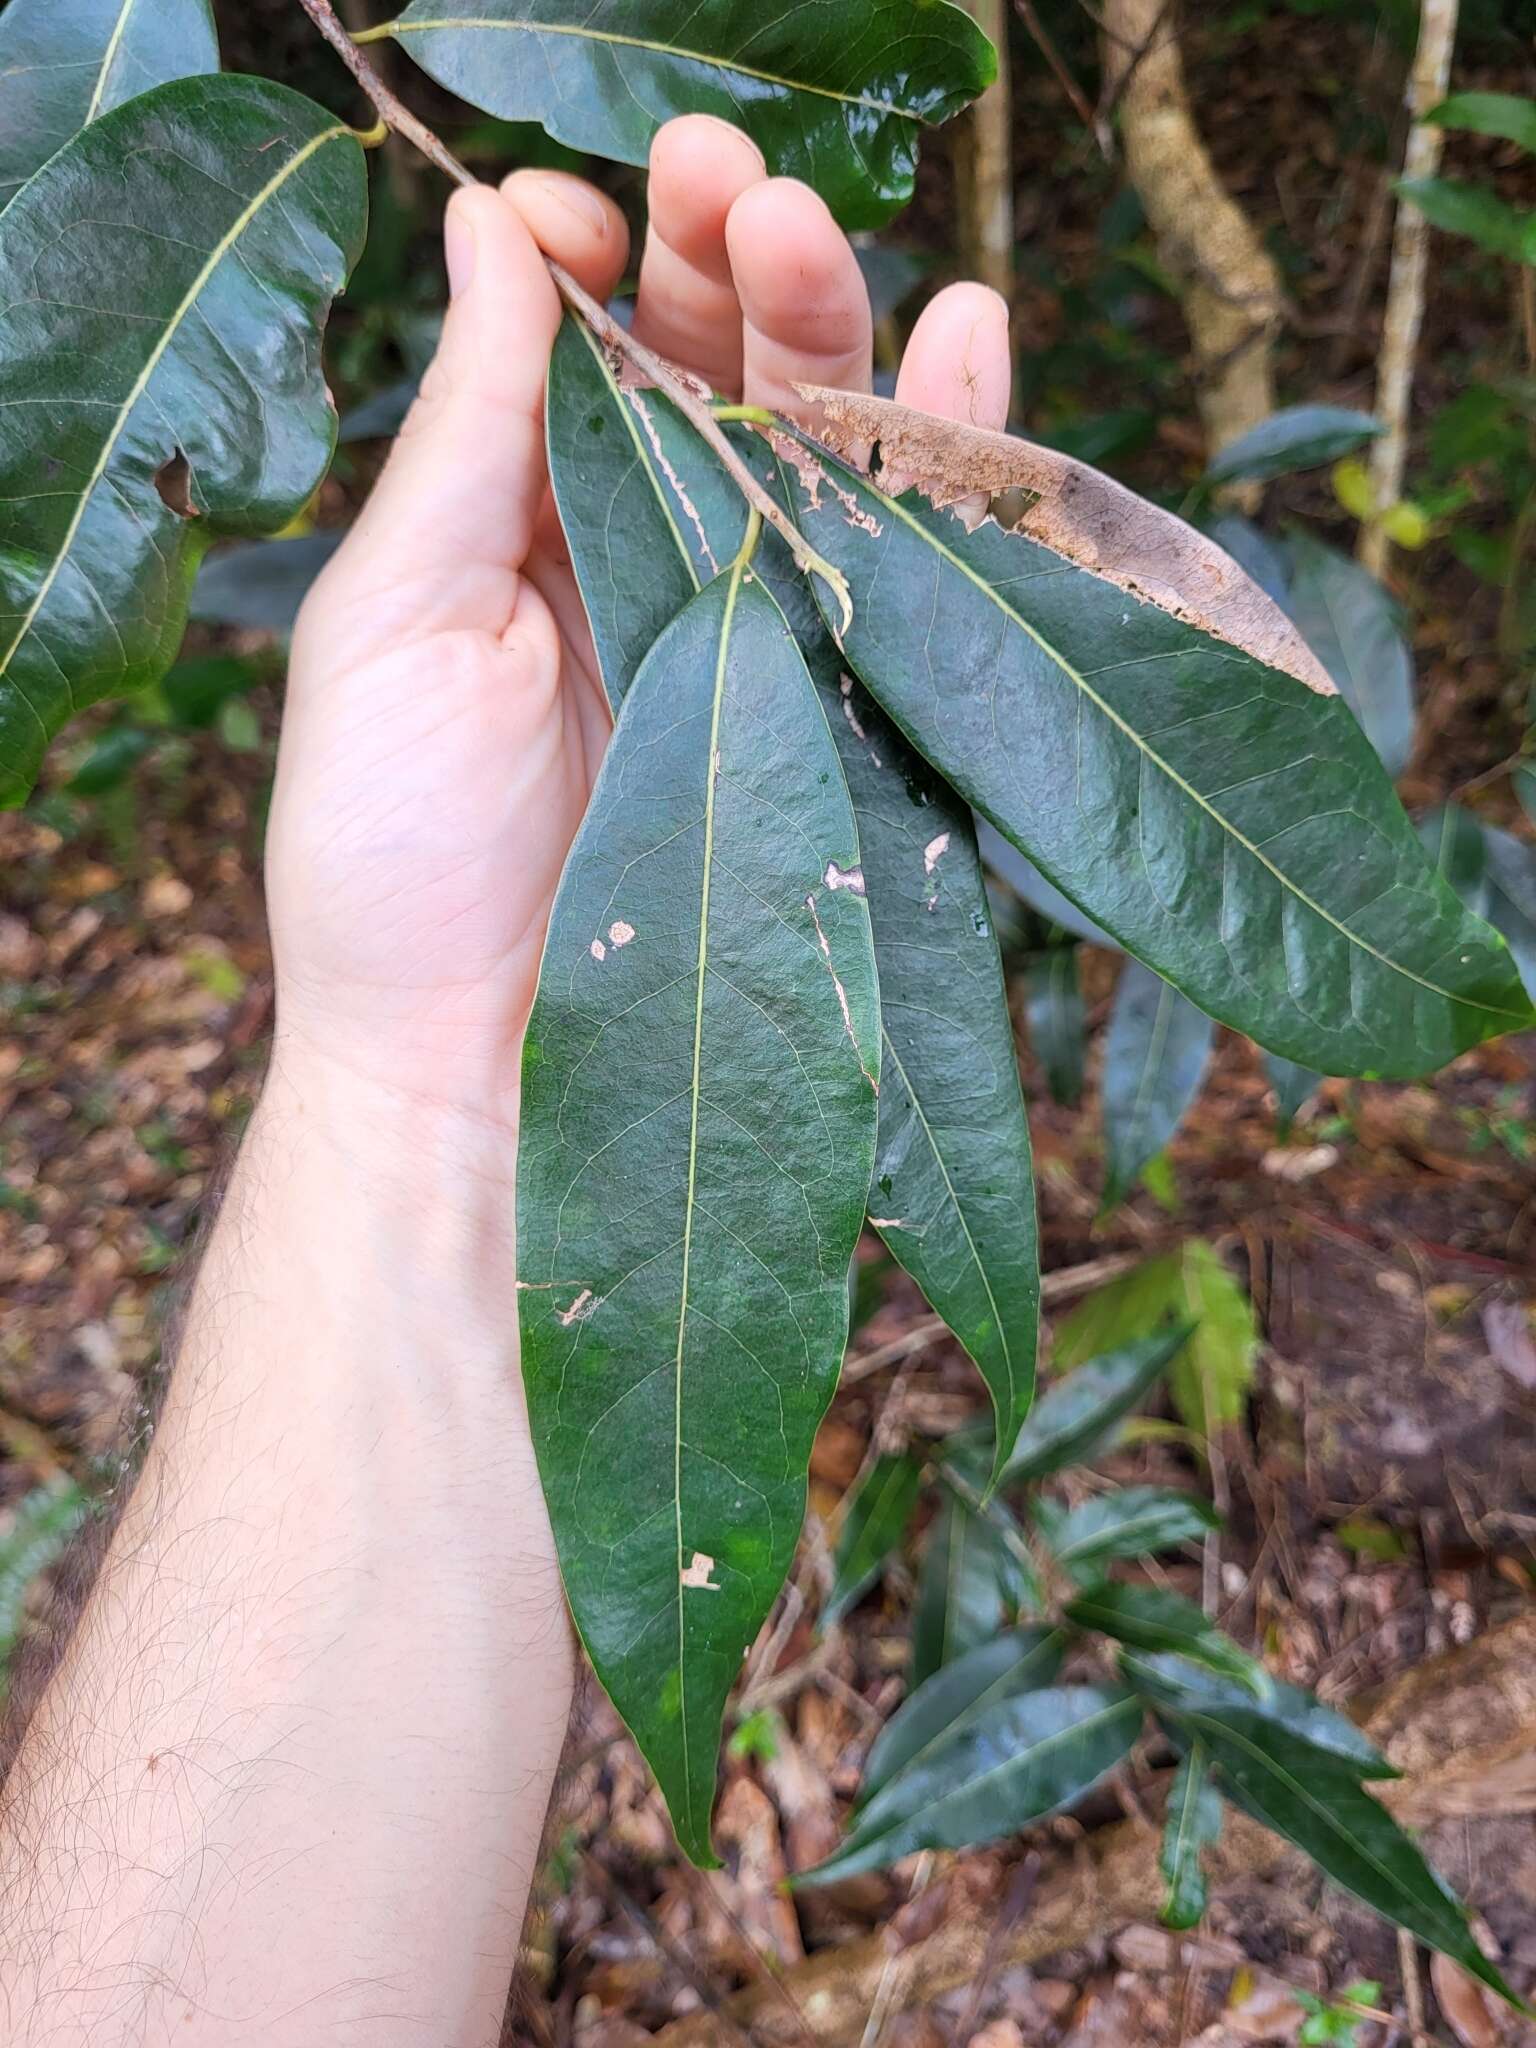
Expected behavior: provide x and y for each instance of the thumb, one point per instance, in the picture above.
(439, 543)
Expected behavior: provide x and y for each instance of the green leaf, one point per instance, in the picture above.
(874, 1523)
(1355, 630)
(1155, 1054)
(999, 1771)
(841, 104)
(700, 1067)
(1174, 1684)
(971, 1582)
(1312, 1795)
(259, 587)
(1295, 438)
(1149, 1618)
(1192, 1823)
(1223, 818)
(1294, 1088)
(1493, 873)
(1260, 557)
(1211, 1379)
(1058, 1025)
(63, 63)
(1136, 1521)
(41, 1528)
(213, 386)
(1083, 1410)
(1019, 1660)
(953, 1194)
(1030, 886)
(1477, 214)
(1504, 114)
(649, 515)
(112, 759)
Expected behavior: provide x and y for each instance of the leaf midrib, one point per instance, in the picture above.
(987, 1697)
(141, 383)
(1143, 747)
(733, 591)
(592, 35)
(643, 455)
(108, 59)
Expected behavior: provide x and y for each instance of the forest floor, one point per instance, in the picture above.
(1382, 1487)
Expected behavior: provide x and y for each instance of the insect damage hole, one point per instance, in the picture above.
(698, 1574)
(173, 480)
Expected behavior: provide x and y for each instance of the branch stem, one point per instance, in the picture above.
(690, 398)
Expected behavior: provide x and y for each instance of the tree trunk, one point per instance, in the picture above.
(1227, 282)
(984, 165)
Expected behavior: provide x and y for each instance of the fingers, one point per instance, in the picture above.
(448, 525)
(958, 363)
(805, 311)
(688, 310)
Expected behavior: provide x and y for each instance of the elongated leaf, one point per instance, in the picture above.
(1002, 1769)
(1017, 1661)
(1134, 1522)
(971, 1583)
(1221, 815)
(1058, 1025)
(127, 444)
(1315, 1799)
(1295, 438)
(698, 1134)
(1512, 896)
(1489, 113)
(839, 102)
(874, 1523)
(1262, 559)
(1149, 1618)
(1355, 630)
(1192, 1823)
(65, 62)
(1155, 1055)
(1212, 1374)
(261, 585)
(1171, 1682)
(1083, 1410)
(649, 515)
(1474, 212)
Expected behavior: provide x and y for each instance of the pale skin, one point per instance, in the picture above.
(289, 1783)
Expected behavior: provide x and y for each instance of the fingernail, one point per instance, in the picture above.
(576, 196)
(458, 253)
(736, 134)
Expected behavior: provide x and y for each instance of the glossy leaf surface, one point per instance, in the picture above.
(1314, 1797)
(64, 63)
(1295, 438)
(1155, 1055)
(1150, 1618)
(1172, 1682)
(1192, 1823)
(1355, 629)
(698, 1135)
(649, 516)
(874, 1524)
(1135, 1521)
(1223, 819)
(1505, 114)
(972, 1581)
(1211, 1376)
(1019, 1660)
(128, 444)
(1000, 1770)
(1083, 1410)
(839, 100)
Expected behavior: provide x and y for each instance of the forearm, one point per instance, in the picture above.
(289, 1782)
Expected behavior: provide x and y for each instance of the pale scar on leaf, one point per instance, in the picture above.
(697, 1574)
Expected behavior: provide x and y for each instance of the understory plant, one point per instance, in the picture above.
(772, 1004)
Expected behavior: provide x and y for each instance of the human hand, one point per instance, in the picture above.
(445, 716)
